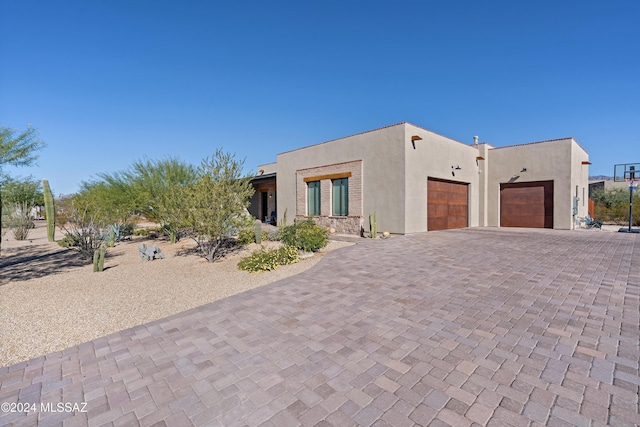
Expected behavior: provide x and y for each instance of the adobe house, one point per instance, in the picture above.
(417, 180)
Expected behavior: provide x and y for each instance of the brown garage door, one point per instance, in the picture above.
(447, 205)
(527, 204)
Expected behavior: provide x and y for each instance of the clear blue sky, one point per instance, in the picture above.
(110, 82)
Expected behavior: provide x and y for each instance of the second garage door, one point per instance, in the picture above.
(447, 205)
(527, 204)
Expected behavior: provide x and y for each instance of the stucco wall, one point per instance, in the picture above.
(436, 156)
(580, 179)
(394, 174)
(548, 160)
(382, 155)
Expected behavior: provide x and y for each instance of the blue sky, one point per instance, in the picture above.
(111, 82)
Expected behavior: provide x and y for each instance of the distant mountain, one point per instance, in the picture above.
(600, 178)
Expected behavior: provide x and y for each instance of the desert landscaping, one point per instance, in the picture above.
(50, 300)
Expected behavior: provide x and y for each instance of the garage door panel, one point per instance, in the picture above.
(457, 222)
(527, 204)
(447, 205)
(439, 211)
(523, 210)
(458, 211)
(438, 224)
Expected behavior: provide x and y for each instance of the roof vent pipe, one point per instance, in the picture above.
(475, 140)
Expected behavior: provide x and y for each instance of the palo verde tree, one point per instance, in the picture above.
(110, 199)
(17, 149)
(158, 189)
(217, 203)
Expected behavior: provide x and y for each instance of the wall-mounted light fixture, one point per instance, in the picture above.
(415, 138)
(454, 169)
(523, 170)
(270, 195)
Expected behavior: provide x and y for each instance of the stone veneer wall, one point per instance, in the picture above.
(343, 224)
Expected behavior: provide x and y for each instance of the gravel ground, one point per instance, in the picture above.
(49, 301)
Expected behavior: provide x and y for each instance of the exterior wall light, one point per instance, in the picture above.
(415, 138)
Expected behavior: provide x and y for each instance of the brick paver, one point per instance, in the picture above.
(462, 327)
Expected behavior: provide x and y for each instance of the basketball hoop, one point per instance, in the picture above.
(629, 173)
(630, 177)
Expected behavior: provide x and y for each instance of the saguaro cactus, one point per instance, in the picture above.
(103, 251)
(373, 225)
(50, 210)
(257, 231)
(98, 259)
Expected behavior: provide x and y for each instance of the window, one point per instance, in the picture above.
(313, 206)
(341, 197)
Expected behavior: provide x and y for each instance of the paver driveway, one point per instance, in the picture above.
(485, 326)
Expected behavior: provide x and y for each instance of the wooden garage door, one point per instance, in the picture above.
(527, 204)
(447, 205)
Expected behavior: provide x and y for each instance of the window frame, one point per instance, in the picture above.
(340, 200)
(317, 198)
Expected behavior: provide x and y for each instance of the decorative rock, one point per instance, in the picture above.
(386, 234)
(332, 230)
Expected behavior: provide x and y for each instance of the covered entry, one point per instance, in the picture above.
(527, 204)
(447, 204)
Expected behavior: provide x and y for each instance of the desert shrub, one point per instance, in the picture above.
(612, 206)
(246, 236)
(68, 241)
(83, 229)
(127, 229)
(305, 235)
(147, 232)
(20, 221)
(274, 236)
(263, 260)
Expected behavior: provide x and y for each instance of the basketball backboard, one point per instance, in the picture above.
(626, 172)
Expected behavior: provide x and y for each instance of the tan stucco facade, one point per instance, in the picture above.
(388, 170)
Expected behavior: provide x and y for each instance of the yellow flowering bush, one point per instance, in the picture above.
(263, 260)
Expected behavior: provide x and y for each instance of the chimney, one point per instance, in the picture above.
(475, 140)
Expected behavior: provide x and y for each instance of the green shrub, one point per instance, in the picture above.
(69, 241)
(304, 235)
(246, 236)
(147, 232)
(273, 236)
(262, 260)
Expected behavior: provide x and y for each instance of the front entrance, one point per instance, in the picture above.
(264, 205)
(447, 204)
